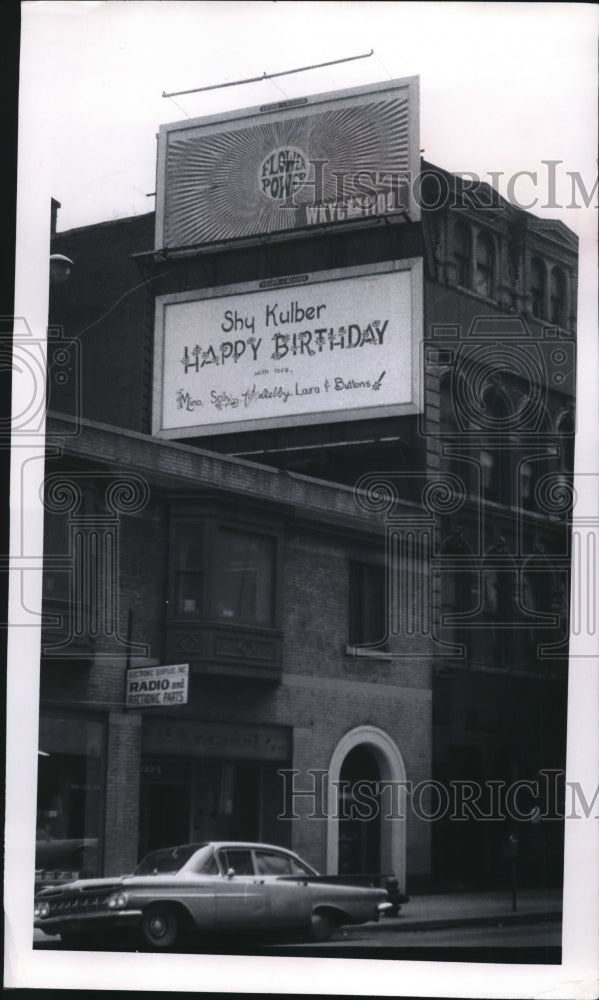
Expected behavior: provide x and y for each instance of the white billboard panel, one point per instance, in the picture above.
(334, 157)
(303, 349)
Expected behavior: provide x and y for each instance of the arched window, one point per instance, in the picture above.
(558, 297)
(461, 250)
(537, 287)
(494, 461)
(485, 258)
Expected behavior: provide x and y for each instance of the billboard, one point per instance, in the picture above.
(330, 158)
(304, 349)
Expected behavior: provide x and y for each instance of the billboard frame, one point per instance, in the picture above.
(270, 113)
(413, 265)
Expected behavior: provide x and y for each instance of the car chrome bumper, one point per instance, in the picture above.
(88, 921)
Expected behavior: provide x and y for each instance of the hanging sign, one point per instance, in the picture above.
(147, 686)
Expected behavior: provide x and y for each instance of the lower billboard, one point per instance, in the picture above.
(331, 346)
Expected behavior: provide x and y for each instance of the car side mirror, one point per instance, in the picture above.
(230, 872)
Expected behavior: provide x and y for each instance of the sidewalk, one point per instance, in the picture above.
(473, 908)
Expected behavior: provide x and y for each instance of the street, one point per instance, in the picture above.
(538, 942)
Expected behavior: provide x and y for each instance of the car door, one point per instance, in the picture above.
(242, 899)
(290, 898)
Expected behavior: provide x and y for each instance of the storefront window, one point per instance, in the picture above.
(69, 800)
(186, 800)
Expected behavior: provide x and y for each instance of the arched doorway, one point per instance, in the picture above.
(360, 820)
(376, 758)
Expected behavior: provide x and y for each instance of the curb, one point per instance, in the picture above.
(443, 923)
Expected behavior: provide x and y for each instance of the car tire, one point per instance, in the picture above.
(322, 926)
(160, 927)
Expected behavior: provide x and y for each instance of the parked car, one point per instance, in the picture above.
(211, 887)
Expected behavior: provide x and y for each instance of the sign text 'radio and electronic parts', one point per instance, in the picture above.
(160, 685)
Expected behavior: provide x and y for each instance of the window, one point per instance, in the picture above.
(483, 274)
(299, 869)
(223, 573)
(367, 605)
(447, 411)
(502, 613)
(537, 287)
(461, 249)
(70, 790)
(565, 430)
(272, 864)
(527, 485)
(167, 861)
(209, 867)
(245, 578)
(459, 592)
(488, 467)
(558, 297)
(239, 858)
(189, 575)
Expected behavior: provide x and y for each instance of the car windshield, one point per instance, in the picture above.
(167, 861)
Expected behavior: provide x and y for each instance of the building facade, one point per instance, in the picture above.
(366, 615)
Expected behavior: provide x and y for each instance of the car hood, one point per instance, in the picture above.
(125, 881)
(84, 885)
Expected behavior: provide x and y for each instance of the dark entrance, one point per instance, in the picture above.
(186, 800)
(164, 804)
(360, 821)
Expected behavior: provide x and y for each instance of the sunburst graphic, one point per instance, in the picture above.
(212, 178)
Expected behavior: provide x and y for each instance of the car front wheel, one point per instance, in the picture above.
(160, 927)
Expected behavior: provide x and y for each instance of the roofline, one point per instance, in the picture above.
(535, 220)
(105, 224)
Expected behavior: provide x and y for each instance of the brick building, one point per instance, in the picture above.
(370, 598)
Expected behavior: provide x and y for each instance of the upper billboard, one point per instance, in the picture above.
(346, 155)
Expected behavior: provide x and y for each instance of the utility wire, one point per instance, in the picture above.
(120, 299)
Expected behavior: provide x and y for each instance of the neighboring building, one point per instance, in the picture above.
(365, 598)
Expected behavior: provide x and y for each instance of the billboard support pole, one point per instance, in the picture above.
(266, 76)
